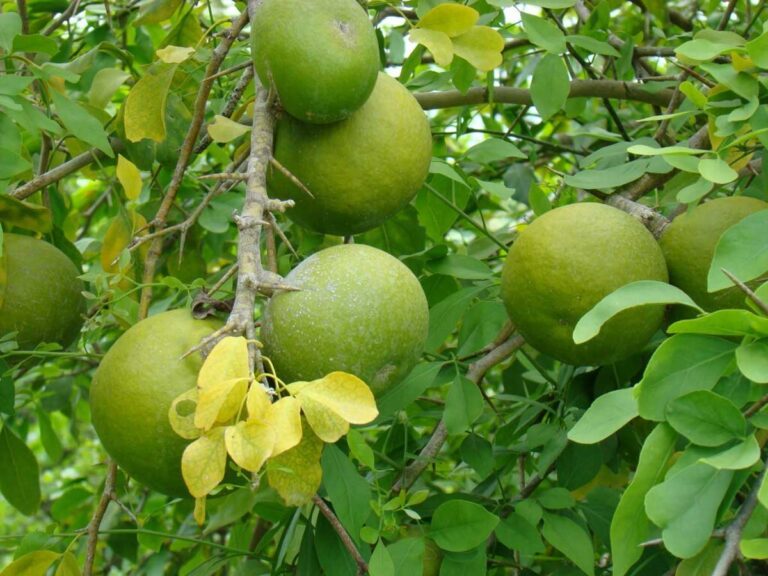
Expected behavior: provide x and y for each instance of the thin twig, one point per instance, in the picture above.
(763, 306)
(98, 515)
(232, 101)
(66, 15)
(756, 407)
(346, 540)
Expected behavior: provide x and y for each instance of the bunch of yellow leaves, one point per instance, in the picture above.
(235, 415)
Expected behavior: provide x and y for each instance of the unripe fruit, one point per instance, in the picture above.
(360, 170)
(359, 310)
(568, 260)
(42, 299)
(689, 245)
(321, 56)
(132, 391)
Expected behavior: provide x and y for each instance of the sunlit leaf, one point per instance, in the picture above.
(174, 54)
(129, 177)
(257, 402)
(296, 474)
(144, 108)
(181, 415)
(33, 564)
(250, 444)
(227, 361)
(326, 423)
(204, 462)
(222, 129)
(81, 124)
(451, 19)
(284, 418)
(481, 46)
(436, 42)
(219, 402)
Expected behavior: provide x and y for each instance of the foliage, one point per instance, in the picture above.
(124, 132)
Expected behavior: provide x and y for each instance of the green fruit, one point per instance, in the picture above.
(321, 56)
(42, 299)
(361, 170)
(565, 263)
(133, 389)
(359, 310)
(689, 245)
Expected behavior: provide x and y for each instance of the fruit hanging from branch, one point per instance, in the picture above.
(359, 310)
(360, 171)
(566, 262)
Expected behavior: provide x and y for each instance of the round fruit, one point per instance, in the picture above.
(133, 389)
(322, 56)
(42, 299)
(566, 262)
(689, 245)
(359, 310)
(361, 170)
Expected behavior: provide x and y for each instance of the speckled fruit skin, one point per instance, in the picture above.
(359, 310)
(321, 56)
(133, 389)
(568, 260)
(361, 170)
(43, 298)
(689, 245)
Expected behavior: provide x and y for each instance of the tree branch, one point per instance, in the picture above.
(98, 515)
(615, 89)
(475, 374)
(346, 540)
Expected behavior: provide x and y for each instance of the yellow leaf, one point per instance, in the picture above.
(24, 215)
(199, 513)
(481, 47)
(220, 402)
(328, 425)
(227, 361)
(436, 42)
(68, 565)
(451, 19)
(174, 54)
(250, 444)
(33, 564)
(741, 62)
(284, 418)
(129, 177)
(181, 415)
(119, 234)
(225, 130)
(204, 462)
(345, 394)
(296, 474)
(144, 109)
(257, 402)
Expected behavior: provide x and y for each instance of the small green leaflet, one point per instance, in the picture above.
(606, 415)
(550, 85)
(459, 525)
(752, 360)
(723, 323)
(81, 124)
(19, 474)
(706, 418)
(742, 251)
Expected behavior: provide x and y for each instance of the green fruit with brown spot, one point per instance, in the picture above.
(359, 310)
(360, 171)
(132, 391)
(40, 293)
(568, 260)
(321, 56)
(689, 246)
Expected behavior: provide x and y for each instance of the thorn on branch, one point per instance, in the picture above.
(246, 222)
(288, 174)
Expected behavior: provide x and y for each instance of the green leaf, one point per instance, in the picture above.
(10, 27)
(105, 84)
(493, 150)
(752, 360)
(723, 323)
(742, 251)
(407, 390)
(444, 316)
(25, 215)
(717, 171)
(737, 457)
(683, 363)
(758, 50)
(557, 498)
(35, 43)
(155, 11)
(612, 177)
(463, 405)
(641, 293)
(348, 491)
(517, 533)
(461, 266)
(33, 564)
(19, 474)
(606, 415)
(145, 106)
(643, 150)
(459, 525)
(538, 200)
(703, 563)
(550, 86)
(592, 45)
(685, 507)
(296, 473)
(570, 539)
(407, 555)
(471, 563)
(706, 418)
(381, 563)
(695, 192)
(81, 124)
(762, 493)
(630, 526)
(543, 34)
(755, 548)
(701, 50)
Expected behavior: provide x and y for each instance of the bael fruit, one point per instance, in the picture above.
(689, 245)
(359, 310)
(322, 56)
(568, 260)
(361, 170)
(42, 298)
(133, 389)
